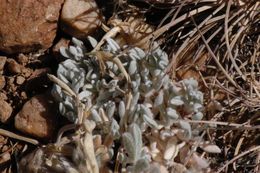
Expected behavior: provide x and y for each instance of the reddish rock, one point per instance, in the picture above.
(39, 72)
(28, 25)
(2, 63)
(38, 117)
(56, 48)
(5, 157)
(13, 66)
(2, 82)
(61, 43)
(3, 96)
(27, 72)
(80, 18)
(22, 59)
(38, 81)
(23, 95)
(10, 85)
(20, 80)
(5, 111)
(46, 159)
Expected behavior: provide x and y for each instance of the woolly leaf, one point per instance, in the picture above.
(92, 41)
(137, 136)
(84, 94)
(177, 101)
(110, 109)
(150, 121)
(132, 67)
(95, 116)
(211, 149)
(186, 126)
(64, 52)
(172, 113)
(121, 109)
(113, 45)
(129, 145)
(141, 165)
(159, 99)
(77, 42)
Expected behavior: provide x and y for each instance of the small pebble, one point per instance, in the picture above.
(22, 59)
(2, 62)
(56, 49)
(4, 157)
(5, 111)
(13, 66)
(11, 87)
(27, 72)
(3, 96)
(23, 95)
(5, 148)
(20, 80)
(2, 82)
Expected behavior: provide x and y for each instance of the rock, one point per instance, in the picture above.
(2, 63)
(28, 25)
(5, 111)
(2, 82)
(14, 67)
(38, 117)
(79, 18)
(10, 85)
(39, 73)
(48, 159)
(27, 72)
(56, 49)
(20, 80)
(3, 141)
(5, 157)
(3, 96)
(22, 59)
(38, 81)
(23, 95)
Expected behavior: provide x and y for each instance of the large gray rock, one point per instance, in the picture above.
(79, 18)
(28, 25)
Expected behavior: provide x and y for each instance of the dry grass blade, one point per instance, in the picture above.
(221, 48)
(166, 27)
(229, 126)
(216, 59)
(227, 42)
(257, 149)
(65, 87)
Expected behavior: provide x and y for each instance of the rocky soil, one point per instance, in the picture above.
(31, 35)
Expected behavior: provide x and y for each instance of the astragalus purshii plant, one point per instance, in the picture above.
(127, 114)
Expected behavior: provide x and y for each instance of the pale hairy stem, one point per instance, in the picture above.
(117, 61)
(88, 147)
(63, 85)
(18, 137)
(110, 34)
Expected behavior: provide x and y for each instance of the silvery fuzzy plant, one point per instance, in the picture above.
(128, 98)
